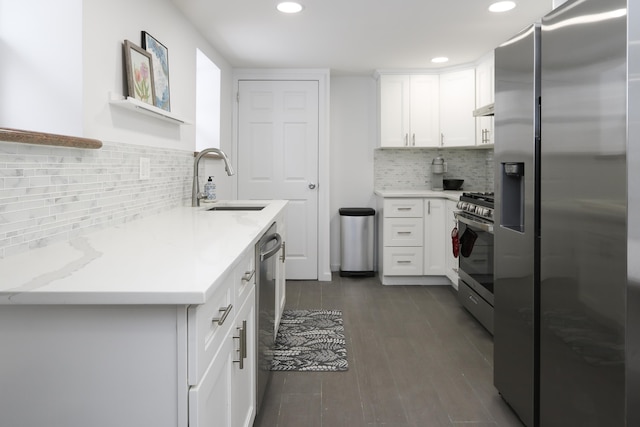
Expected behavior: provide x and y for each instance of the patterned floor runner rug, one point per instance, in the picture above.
(310, 340)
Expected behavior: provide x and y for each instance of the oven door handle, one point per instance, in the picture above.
(476, 224)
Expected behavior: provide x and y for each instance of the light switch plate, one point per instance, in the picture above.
(145, 168)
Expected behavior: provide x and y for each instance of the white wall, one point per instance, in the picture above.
(41, 65)
(51, 194)
(106, 25)
(353, 139)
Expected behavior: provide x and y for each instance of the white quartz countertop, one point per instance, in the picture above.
(175, 257)
(450, 195)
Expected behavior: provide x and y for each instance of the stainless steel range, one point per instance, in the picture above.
(475, 234)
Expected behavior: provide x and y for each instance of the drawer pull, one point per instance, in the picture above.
(402, 261)
(404, 209)
(248, 275)
(404, 232)
(473, 299)
(242, 350)
(225, 312)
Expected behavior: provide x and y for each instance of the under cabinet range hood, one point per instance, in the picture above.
(486, 110)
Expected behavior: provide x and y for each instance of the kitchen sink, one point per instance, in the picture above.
(236, 208)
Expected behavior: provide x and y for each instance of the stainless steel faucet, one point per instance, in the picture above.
(195, 188)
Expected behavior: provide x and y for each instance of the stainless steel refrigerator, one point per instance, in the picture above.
(567, 274)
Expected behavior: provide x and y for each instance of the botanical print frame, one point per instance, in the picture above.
(139, 69)
(160, 56)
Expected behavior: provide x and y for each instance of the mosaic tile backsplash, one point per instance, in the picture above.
(410, 169)
(50, 194)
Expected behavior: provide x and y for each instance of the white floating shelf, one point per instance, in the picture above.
(133, 104)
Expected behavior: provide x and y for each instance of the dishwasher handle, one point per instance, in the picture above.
(271, 252)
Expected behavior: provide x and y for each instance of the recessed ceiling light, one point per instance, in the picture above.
(289, 7)
(502, 6)
(440, 59)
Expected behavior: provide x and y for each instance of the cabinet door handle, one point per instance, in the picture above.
(413, 140)
(225, 312)
(283, 256)
(248, 275)
(406, 139)
(441, 139)
(429, 207)
(242, 349)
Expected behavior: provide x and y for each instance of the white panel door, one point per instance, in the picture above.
(278, 159)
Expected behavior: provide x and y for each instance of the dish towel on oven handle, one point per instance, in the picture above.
(455, 241)
(467, 240)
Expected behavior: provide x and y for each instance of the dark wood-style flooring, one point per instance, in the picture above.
(416, 359)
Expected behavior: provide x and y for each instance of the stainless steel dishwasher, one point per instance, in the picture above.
(266, 249)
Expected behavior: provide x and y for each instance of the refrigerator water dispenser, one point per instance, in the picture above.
(512, 212)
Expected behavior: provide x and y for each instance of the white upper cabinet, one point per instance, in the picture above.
(457, 102)
(408, 110)
(485, 88)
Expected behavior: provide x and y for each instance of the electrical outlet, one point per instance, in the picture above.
(145, 168)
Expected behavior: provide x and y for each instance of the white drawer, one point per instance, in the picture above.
(245, 276)
(403, 232)
(403, 208)
(204, 333)
(403, 261)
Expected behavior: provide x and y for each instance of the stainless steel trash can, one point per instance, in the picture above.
(357, 226)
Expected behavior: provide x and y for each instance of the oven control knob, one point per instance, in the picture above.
(460, 205)
(489, 213)
(481, 211)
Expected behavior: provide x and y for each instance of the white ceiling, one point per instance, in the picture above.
(357, 36)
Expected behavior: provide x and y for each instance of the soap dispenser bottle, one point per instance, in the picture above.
(210, 189)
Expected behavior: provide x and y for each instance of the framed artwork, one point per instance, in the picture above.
(139, 68)
(160, 56)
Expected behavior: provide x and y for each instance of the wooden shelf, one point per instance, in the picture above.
(42, 138)
(133, 104)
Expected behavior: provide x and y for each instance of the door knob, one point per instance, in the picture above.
(312, 185)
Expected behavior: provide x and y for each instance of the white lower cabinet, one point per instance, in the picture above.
(412, 239)
(210, 400)
(243, 376)
(434, 237)
(133, 365)
(222, 355)
(225, 396)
